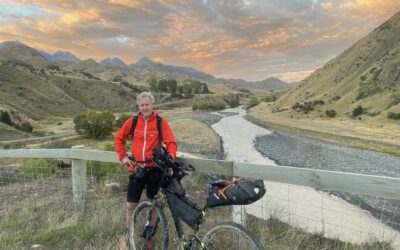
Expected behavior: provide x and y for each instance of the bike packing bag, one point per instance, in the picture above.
(185, 210)
(239, 192)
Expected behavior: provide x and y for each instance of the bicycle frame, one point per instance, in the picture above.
(182, 243)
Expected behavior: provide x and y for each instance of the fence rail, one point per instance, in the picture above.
(378, 186)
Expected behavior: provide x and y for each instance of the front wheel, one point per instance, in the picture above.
(229, 235)
(141, 235)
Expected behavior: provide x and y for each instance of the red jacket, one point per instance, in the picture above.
(145, 138)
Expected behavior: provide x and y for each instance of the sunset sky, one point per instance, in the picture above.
(248, 39)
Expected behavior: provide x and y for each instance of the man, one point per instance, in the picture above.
(145, 138)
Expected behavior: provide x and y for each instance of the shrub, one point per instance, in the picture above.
(5, 117)
(393, 116)
(358, 111)
(121, 120)
(208, 106)
(26, 127)
(330, 113)
(253, 102)
(95, 124)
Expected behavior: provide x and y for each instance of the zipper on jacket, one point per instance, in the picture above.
(145, 139)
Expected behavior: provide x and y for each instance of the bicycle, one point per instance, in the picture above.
(149, 223)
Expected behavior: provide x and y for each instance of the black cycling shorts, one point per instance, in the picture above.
(150, 182)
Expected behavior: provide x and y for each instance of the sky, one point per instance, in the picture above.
(246, 39)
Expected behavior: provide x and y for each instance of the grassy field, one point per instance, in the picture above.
(365, 134)
(43, 216)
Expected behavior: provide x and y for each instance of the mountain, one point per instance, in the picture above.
(367, 74)
(39, 94)
(111, 67)
(8, 43)
(64, 56)
(270, 84)
(19, 52)
(146, 66)
(113, 63)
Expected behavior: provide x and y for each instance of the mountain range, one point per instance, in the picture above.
(137, 72)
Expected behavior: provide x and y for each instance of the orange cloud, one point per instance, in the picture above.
(271, 38)
(80, 16)
(376, 10)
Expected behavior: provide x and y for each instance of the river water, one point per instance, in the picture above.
(312, 211)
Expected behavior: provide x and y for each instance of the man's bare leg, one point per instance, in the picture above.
(130, 206)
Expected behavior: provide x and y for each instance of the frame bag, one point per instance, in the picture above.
(185, 210)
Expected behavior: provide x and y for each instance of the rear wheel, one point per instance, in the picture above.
(141, 236)
(229, 235)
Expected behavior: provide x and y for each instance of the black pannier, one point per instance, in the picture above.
(238, 192)
(185, 210)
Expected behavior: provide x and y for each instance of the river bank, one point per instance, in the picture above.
(295, 150)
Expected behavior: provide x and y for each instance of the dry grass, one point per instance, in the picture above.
(366, 134)
(34, 213)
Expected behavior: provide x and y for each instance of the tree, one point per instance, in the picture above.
(172, 86)
(5, 117)
(163, 85)
(152, 81)
(117, 78)
(95, 124)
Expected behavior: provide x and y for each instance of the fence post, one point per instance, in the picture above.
(79, 182)
(238, 211)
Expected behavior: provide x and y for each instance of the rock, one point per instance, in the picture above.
(36, 246)
(112, 186)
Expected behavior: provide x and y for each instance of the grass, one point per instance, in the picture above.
(371, 135)
(48, 220)
(278, 235)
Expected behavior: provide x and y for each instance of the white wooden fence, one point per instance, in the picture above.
(378, 186)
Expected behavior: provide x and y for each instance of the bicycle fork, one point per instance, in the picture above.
(152, 221)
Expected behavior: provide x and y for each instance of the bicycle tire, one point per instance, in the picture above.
(137, 225)
(218, 237)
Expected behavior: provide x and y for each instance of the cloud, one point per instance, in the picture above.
(250, 39)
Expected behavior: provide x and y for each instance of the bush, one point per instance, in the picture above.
(330, 113)
(5, 117)
(121, 120)
(208, 106)
(358, 111)
(253, 102)
(393, 116)
(26, 127)
(95, 124)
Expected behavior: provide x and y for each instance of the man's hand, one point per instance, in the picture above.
(127, 161)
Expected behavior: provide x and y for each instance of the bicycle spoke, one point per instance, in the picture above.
(230, 236)
(142, 237)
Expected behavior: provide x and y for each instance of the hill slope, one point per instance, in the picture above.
(37, 94)
(366, 74)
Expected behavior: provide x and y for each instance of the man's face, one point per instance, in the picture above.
(145, 106)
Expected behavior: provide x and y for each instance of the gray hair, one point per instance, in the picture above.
(143, 95)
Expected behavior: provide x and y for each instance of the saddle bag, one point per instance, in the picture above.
(238, 192)
(185, 210)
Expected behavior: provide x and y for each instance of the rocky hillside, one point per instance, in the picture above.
(367, 74)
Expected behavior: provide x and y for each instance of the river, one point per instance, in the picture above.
(312, 211)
